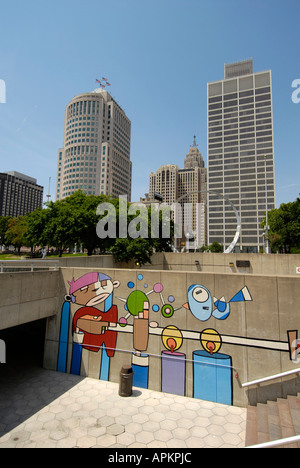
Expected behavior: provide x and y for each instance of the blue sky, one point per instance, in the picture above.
(159, 56)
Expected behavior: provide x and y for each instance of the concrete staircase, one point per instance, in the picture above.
(274, 420)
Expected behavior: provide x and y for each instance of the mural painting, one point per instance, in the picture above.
(97, 322)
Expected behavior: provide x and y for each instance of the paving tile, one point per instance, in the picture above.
(195, 442)
(124, 419)
(106, 440)
(86, 441)
(144, 437)
(115, 429)
(157, 416)
(53, 410)
(163, 435)
(125, 439)
(181, 433)
(151, 426)
(186, 423)
(170, 424)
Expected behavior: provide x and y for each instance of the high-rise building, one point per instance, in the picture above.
(95, 156)
(240, 155)
(187, 188)
(19, 194)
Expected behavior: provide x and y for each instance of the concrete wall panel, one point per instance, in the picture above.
(248, 316)
(26, 297)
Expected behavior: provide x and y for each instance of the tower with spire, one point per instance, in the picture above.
(194, 157)
(187, 185)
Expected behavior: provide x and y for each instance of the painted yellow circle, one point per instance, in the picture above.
(172, 332)
(209, 336)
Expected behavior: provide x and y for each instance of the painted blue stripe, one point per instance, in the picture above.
(63, 338)
(105, 360)
(76, 359)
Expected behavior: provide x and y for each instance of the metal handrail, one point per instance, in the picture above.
(27, 263)
(271, 377)
(276, 443)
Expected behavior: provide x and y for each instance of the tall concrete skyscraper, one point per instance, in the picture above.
(95, 156)
(240, 155)
(187, 187)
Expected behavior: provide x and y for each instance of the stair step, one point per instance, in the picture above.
(262, 424)
(274, 421)
(294, 404)
(251, 426)
(286, 421)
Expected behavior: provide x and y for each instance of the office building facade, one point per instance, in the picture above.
(240, 155)
(19, 194)
(95, 156)
(185, 187)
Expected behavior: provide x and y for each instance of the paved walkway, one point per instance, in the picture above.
(46, 409)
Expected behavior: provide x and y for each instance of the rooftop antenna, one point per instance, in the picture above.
(194, 145)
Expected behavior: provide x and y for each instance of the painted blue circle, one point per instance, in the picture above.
(140, 277)
(155, 308)
(130, 284)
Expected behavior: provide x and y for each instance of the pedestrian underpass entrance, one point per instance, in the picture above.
(24, 346)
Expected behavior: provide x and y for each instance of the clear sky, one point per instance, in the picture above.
(159, 56)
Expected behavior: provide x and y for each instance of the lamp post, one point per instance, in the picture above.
(267, 221)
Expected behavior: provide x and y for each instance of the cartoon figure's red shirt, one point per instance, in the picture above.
(93, 342)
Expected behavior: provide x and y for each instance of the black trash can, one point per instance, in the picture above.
(125, 388)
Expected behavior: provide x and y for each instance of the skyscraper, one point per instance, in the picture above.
(187, 186)
(240, 154)
(95, 156)
(19, 194)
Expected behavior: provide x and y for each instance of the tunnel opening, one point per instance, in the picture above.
(24, 346)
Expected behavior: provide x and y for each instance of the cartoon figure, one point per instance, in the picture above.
(90, 325)
(203, 305)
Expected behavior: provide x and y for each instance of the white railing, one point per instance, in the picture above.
(276, 443)
(271, 377)
(28, 264)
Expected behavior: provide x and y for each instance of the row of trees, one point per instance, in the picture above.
(73, 220)
(284, 228)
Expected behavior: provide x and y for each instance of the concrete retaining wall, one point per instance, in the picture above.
(26, 297)
(186, 346)
(271, 264)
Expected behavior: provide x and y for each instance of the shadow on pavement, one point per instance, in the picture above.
(25, 387)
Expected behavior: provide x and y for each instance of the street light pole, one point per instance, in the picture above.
(267, 221)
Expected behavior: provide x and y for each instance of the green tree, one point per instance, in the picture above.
(215, 247)
(284, 222)
(85, 218)
(151, 236)
(4, 220)
(139, 250)
(36, 228)
(16, 232)
(66, 222)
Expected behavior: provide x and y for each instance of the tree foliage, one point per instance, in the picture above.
(63, 223)
(75, 220)
(4, 220)
(16, 232)
(284, 223)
